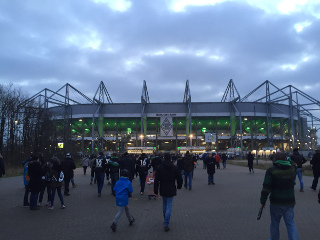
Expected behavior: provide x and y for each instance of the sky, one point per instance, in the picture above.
(46, 44)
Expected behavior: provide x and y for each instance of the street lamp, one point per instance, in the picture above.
(191, 136)
(141, 137)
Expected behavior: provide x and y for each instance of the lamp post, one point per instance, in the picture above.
(191, 136)
(141, 137)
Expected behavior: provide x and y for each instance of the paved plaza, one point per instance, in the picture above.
(227, 210)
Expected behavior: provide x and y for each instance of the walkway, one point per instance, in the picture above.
(227, 210)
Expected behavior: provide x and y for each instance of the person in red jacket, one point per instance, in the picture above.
(218, 160)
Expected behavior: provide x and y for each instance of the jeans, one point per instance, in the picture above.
(143, 176)
(100, 181)
(167, 208)
(250, 168)
(276, 213)
(121, 209)
(224, 164)
(84, 170)
(53, 192)
(47, 185)
(34, 199)
(210, 178)
(299, 173)
(186, 176)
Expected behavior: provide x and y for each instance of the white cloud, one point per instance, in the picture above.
(288, 6)
(301, 25)
(116, 5)
(133, 63)
(289, 66)
(179, 5)
(88, 40)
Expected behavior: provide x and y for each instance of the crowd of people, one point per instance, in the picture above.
(166, 173)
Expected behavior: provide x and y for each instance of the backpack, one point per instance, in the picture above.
(26, 173)
(61, 177)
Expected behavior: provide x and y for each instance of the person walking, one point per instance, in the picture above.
(143, 165)
(210, 162)
(56, 182)
(85, 164)
(188, 169)
(299, 160)
(166, 177)
(35, 173)
(218, 160)
(100, 165)
(123, 191)
(26, 180)
(67, 167)
(127, 163)
(203, 157)
(180, 164)
(92, 177)
(224, 160)
(279, 182)
(316, 169)
(113, 168)
(250, 159)
(46, 183)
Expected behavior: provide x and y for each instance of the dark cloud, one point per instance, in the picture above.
(46, 46)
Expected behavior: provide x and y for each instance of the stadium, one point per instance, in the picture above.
(265, 119)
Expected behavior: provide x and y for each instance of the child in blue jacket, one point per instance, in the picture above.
(123, 190)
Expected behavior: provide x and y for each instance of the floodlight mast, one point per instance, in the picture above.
(144, 101)
(187, 100)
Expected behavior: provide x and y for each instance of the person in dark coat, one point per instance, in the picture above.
(56, 183)
(127, 163)
(188, 165)
(92, 160)
(46, 183)
(250, 159)
(166, 176)
(2, 167)
(67, 167)
(299, 160)
(224, 160)
(113, 170)
(35, 172)
(210, 162)
(316, 169)
(100, 166)
(155, 162)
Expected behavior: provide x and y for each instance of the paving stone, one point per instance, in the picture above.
(227, 210)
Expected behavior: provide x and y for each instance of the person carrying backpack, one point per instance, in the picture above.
(123, 190)
(56, 176)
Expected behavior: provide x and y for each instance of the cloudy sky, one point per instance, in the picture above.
(46, 44)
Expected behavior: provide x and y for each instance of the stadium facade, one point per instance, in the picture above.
(273, 120)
